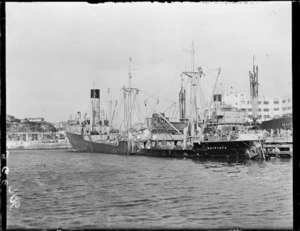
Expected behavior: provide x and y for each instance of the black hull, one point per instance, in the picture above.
(164, 153)
(80, 144)
(280, 123)
(237, 149)
(222, 149)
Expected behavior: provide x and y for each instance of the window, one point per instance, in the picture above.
(259, 109)
(289, 100)
(249, 109)
(266, 116)
(276, 109)
(283, 108)
(259, 102)
(266, 109)
(266, 102)
(283, 101)
(276, 102)
(289, 108)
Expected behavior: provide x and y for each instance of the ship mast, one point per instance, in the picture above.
(193, 99)
(182, 104)
(254, 91)
(129, 93)
(128, 105)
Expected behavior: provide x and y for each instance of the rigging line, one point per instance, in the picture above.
(135, 112)
(135, 103)
(123, 120)
(158, 98)
(201, 97)
(170, 107)
(165, 128)
(174, 111)
(131, 109)
(118, 107)
(149, 114)
(177, 110)
(209, 69)
(146, 113)
(170, 110)
(163, 87)
(138, 109)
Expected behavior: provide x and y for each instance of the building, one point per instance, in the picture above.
(268, 107)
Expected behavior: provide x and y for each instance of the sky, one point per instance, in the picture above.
(57, 52)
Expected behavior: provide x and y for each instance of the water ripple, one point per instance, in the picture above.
(85, 190)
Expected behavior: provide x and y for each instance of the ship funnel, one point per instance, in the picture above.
(182, 104)
(95, 106)
(217, 98)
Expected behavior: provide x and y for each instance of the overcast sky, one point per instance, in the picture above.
(57, 52)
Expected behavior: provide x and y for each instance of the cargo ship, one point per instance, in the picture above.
(96, 134)
(163, 138)
(221, 133)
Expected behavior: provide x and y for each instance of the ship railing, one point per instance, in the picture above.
(287, 138)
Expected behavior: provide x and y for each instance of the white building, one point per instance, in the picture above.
(268, 107)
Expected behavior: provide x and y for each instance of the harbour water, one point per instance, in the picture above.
(66, 189)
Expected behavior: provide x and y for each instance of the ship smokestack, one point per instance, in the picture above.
(217, 99)
(95, 107)
(182, 104)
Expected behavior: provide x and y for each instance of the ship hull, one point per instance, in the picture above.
(221, 149)
(164, 152)
(280, 123)
(80, 144)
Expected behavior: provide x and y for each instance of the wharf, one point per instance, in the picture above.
(279, 146)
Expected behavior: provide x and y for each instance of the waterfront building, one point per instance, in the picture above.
(268, 107)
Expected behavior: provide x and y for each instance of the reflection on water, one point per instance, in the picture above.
(85, 190)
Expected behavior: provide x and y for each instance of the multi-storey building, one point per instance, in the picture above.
(268, 107)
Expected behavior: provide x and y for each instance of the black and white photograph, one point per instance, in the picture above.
(148, 115)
